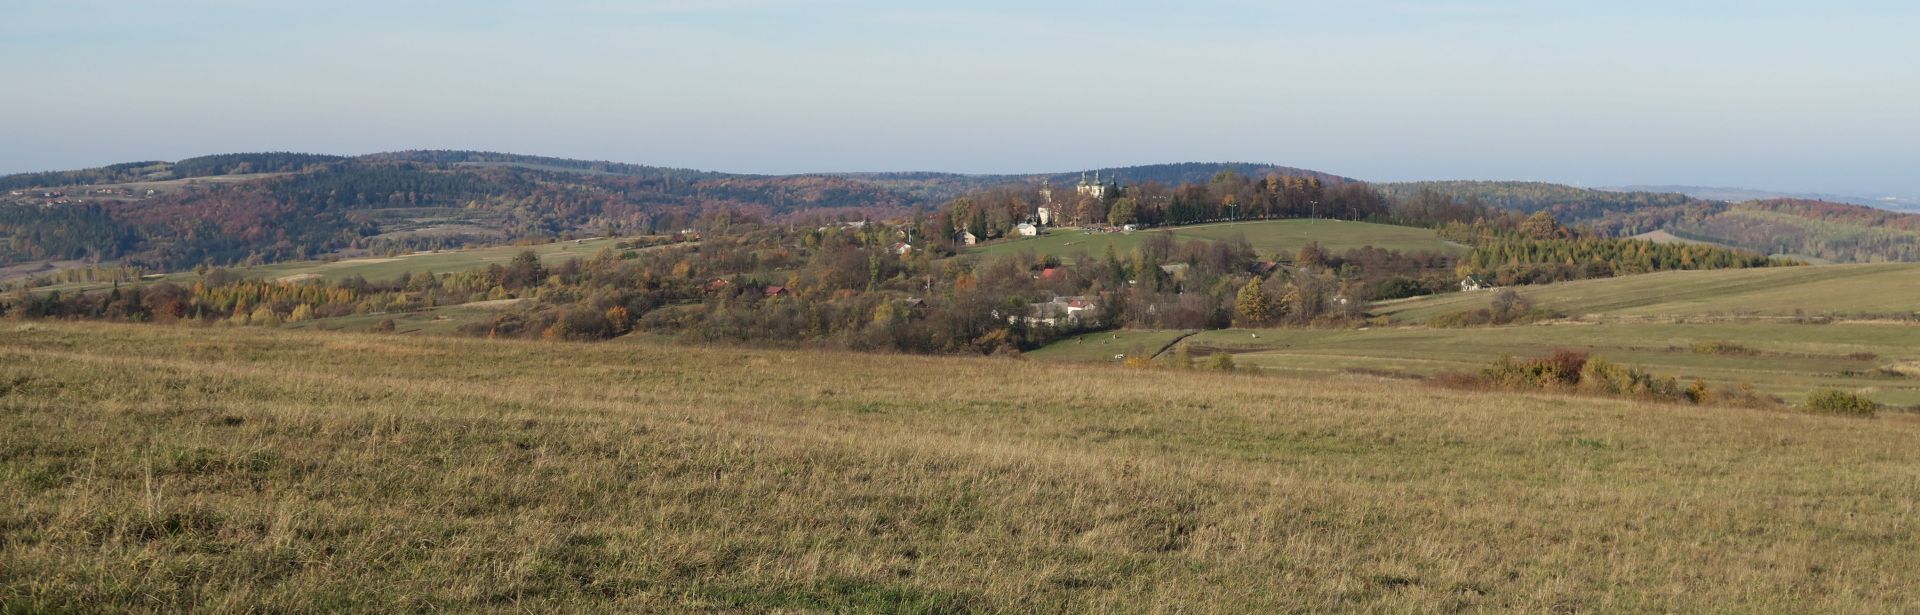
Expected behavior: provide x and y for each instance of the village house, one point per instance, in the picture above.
(1060, 311)
(776, 291)
(965, 238)
(1026, 230)
(901, 248)
(1472, 283)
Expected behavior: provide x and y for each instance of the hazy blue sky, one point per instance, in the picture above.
(1756, 93)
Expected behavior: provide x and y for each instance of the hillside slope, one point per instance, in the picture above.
(1808, 229)
(176, 468)
(1844, 290)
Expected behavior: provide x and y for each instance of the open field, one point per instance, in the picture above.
(1103, 346)
(1270, 238)
(443, 320)
(390, 267)
(1843, 290)
(1787, 360)
(175, 468)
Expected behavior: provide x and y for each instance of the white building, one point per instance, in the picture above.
(1026, 230)
(1096, 188)
(965, 238)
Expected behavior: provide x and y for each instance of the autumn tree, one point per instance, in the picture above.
(1252, 307)
(1122, 212)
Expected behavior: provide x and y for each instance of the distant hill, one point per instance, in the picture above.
(1904, 204)
(1567, 203)
(256, 208)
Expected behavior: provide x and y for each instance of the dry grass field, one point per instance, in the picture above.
(168, 469)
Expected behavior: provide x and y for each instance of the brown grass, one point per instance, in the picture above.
(164, 469)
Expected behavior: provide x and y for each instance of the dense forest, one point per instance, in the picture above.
(1567, 203)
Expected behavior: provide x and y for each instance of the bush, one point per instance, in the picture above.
(1829, 401)
(1723, 347)
(1560, 369)
(1221, 361)
(1604, 377)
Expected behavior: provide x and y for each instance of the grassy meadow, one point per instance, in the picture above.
(1104, 346)
(1785, 360)
(1269, 238)
(1723, 294)
(155, 468)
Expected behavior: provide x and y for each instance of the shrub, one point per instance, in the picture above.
(1829, 401)
(1222, 361)
(1605, 377)
(1508, 306)
(1723, 347)
(1560, 369)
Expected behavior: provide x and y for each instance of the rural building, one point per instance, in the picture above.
(776, 291)
(1472, 283)
(1026, 230)
(901, 248)
(965, 238)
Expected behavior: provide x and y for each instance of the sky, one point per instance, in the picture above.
(1789, 96)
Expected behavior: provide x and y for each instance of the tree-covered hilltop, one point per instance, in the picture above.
(156, 170)
(1567, 203)
(314, 206)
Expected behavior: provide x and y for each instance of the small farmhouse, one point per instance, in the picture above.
(1026, 230)
(1472, 283)
(965, 238)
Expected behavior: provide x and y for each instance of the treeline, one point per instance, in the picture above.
(994, 211)
(221, 296)
(1566, 203)
(844, 286)
(1538, 250)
